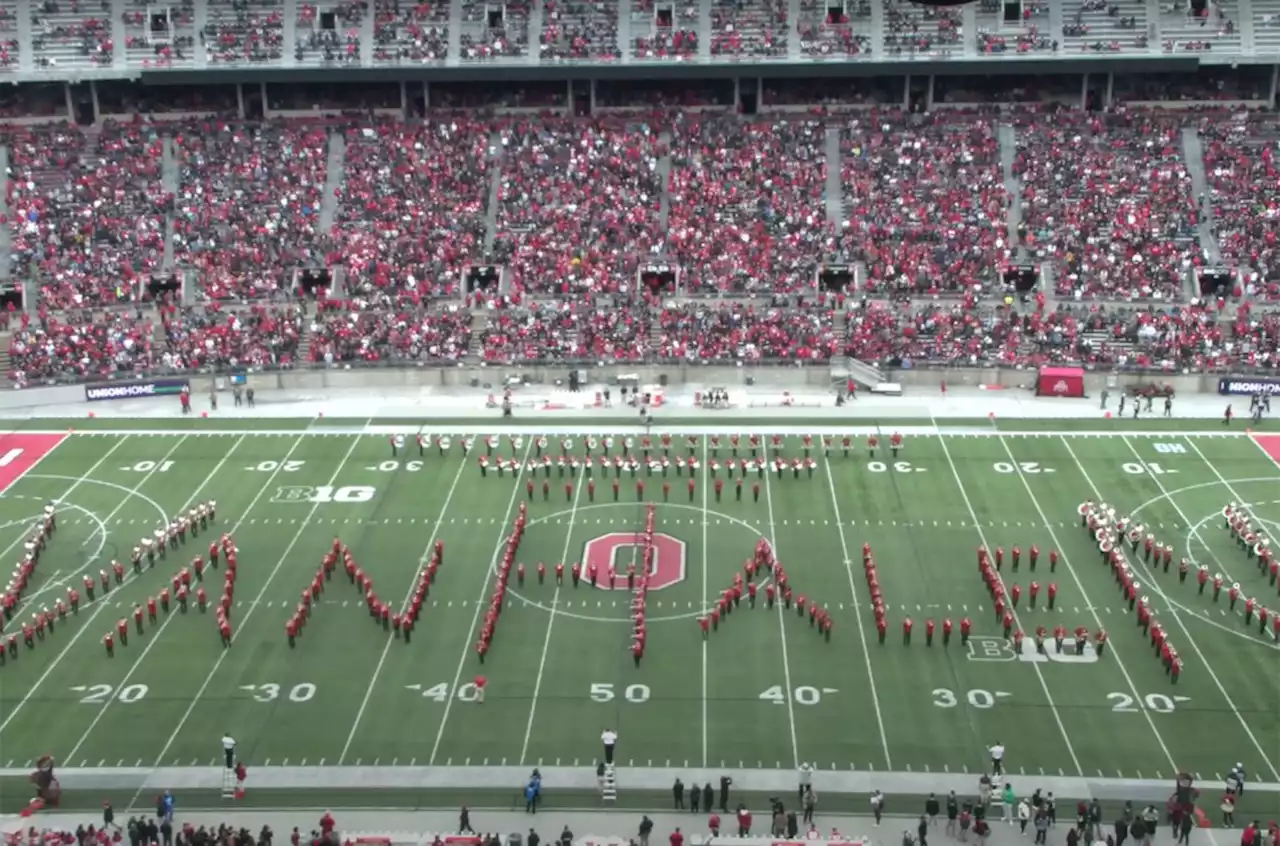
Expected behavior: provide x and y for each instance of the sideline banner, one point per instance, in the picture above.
(137, 388)
(1060, 382)
(1231, 386)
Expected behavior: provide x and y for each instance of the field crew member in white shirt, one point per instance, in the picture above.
(997, 759)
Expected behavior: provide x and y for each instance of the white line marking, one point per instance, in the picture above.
(1066, 563)
(475, 618)
(862, 634)
(782, 628)
(1044, 686)
(704, 598)
(102, 605)
(155, 637)
(391, 638)
(546, 643)
(1178, 618)
(355, 441)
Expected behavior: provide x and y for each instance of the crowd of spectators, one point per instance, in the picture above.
(578, 203)
(753, 29)
(714, 334)
(244, 31)
(87, 213)
(1107, 199)
(746, 202)
(210, 336)
(491, 32)
(926, 205)
(411, 32)
(354, 336)
(248, 204)
(562, 331)
(1244, 179)
(579, 29)
(412, 209)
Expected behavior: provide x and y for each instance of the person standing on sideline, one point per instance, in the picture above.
(1007, 804)
(997, 758)
(1042, 828)
(464, 821)
(695, 798)
(806, 779)
(922, 831)
(1024, 816)
(810, 802)
(1185, 825)
(676, 838)
(725, 783)
(646, 828)
(931, 809)
(708, 797)
(229, 750)
(609, 738)
(877, 806)
(677, 794)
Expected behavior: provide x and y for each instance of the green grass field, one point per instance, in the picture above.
(764, 691)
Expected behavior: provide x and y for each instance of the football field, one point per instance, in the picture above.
(764, 690)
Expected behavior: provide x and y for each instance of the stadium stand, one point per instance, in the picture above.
(572, 187)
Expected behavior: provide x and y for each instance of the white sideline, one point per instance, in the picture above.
(475, 618)
(391, 638)
(217, 468)
(257, 600)
(613, 427)
(982, 537)
(857, 613)
(1066, 562)
(53, 665)
(546, 643)
(790, 692)
(1266, 759)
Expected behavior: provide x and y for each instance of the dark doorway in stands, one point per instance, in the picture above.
(581, 97)
(658, 280)
(1022, 278)
(314, 282)
(1216, 282)
(835, 278)
(164, 288)
(483, 279)
(11, 297)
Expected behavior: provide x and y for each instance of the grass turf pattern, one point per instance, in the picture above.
(766, 690)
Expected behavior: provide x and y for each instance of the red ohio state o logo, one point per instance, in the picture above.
(619, 549)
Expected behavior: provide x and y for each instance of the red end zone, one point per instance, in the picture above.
(1270, 444)
(19, 453)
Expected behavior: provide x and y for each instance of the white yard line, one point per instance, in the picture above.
(857, 611)
(982, 538)
(782, 623)
(391, 638)
(546, 642)
(1093, 609)
(257, 600)
(97, 718)
(480, 604)
(102, 604)
(704, 598)
(1266, 759)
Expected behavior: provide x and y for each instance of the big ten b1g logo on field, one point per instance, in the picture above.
(618, 550)
(321, 494)
(989, 648)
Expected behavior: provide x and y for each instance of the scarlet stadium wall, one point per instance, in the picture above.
(776, 377)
